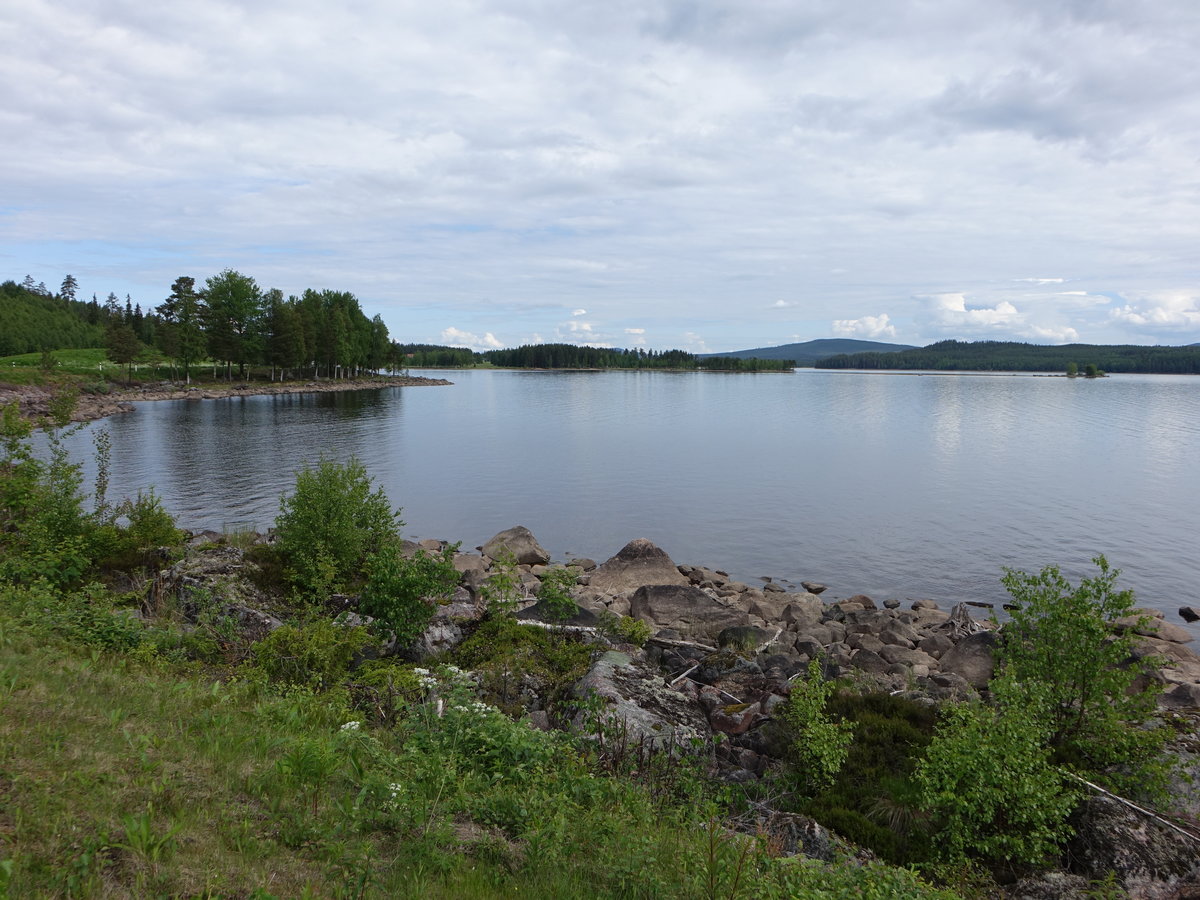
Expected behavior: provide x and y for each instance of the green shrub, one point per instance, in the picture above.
(330, 525)
(555, 593)
(817, 746)
(317, 655)
(401, 592)
(1064, 647)
(989, 784)
(623, 628)
(147, 527)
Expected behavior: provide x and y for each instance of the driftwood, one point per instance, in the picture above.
(668, 642)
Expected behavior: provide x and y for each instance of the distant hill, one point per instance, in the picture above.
(808, 352)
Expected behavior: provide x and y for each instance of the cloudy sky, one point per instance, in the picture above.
(708, 175)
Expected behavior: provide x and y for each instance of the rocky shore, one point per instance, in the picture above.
(34, 401)
(721, 655)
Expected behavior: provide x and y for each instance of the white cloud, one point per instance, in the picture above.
(579, 312)
(694, 343)
(1161, 313)
(867, 327)
(1042, 280)
(454, 337)
(950, 314)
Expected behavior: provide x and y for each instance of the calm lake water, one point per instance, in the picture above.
(893, 485)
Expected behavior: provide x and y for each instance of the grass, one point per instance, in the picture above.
(125, 775)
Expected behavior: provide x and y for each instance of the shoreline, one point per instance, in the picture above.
(34, 400)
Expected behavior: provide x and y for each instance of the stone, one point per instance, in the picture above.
(861, 599)
(734, 718)
(635, 565)
(583, 562)
(935, 645)
(800, 610)
(430, 545)
(891, 603)
(819, 634)
(683, 607)
(869, 661)
(864, 642)
(1189, 613)
(924, 604)
(540, 612)
(814, 587)
(973, 658)
(1110, 837)
(772, 588)
(1182, 696)
(637, 702)
(894, 654)
(809, 648)
(743, 637)
(519, 541)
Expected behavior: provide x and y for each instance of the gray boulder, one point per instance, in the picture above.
(973, 658)
(685, 608)
(636, 702)
(636, 564)
(519, 541)
(1110, 837)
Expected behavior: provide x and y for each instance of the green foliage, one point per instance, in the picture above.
(330, 525)
(401, 591)
(818, 746)
(1064, 648)
(317, 655)
(555, 593)
(81, 618)
(147, 528)
(989, 783)
(505, 653)
(502, 590)
(623, 628)
(873, 801)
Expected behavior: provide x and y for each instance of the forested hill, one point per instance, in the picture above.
(571, 356)
(31, 321)
(1012, 356)
(808, 352)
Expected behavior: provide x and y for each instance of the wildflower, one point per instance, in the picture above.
(351, 726)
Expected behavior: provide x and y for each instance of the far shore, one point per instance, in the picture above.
(34, 400)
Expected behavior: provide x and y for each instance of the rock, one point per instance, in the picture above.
(445, 630)
(1189, 613)
(1111, 837)
(734, 718)
(924, 604)
(936, 645)
(725, 665)
(685, 608)
(638, 702)
(540, 612)
(861, 600)
(583, 562)
(894, 654)
(865, 641)
(809, 648)
(813, 587)
(431, 545)
(869, 661)
(773, 588)
(973, 658)
(800, 611)
(1182, 696)
(1152, 627)
(820, 634)
(519, 541)
(891, 603)
(635, 565)
(744, 638)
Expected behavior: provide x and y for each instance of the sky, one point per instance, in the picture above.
(708, 175)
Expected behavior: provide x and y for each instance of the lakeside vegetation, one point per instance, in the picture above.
(1011, 356)
(155, 746)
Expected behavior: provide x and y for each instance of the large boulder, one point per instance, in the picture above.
(1112, 838)
(638, 563)
(974, 658)
(520, 542)
(634, 700)
(687, 609)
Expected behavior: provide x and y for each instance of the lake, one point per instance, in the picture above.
(891, 484)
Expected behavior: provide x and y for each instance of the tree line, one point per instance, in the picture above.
(229, 320)
(1009, 356)
(572, 356)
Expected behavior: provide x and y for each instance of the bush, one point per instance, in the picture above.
(817, 746)
(400, 592)
(555, 593)
(623, 628)
(330, 524)
(316, 655)
(1064, 645)
(988, 782)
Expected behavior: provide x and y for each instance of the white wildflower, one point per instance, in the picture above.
(352, 726)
